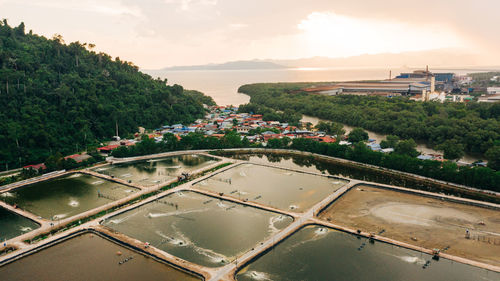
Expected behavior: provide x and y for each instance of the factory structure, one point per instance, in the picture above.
(420, 84)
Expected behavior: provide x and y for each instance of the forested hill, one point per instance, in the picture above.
(57, 97)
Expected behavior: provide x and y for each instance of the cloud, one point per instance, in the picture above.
(110, 7)
(186, 5)
(157, 33)
(333, 35)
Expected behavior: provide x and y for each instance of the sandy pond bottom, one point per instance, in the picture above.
(89, 257)
(320, 253)
(156, 171)
(422, 221)
(198, 228)
(66, 196)
(283, 189)
(12, 224)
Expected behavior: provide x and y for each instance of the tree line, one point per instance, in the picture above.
(402, 159)
(467, 127)
(269, 114)
(54, 162)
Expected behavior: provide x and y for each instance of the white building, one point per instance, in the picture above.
(464, 79)
(493, 90)
(489, 98)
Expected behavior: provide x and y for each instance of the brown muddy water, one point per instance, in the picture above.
(280, 188)
(200, 229)
(90, 257)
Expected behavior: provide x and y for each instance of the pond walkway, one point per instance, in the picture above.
(228, 271)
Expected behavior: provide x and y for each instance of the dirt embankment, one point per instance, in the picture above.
(421, 221)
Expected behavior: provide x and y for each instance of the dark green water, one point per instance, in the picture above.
(319, 253)
(12, 225)
(198, 228)
(66, 196)
(283, 189)
(89, 257)
(156, 171)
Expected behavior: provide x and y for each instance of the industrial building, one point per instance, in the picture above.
(416, 83)
(389, 87)
(440, 77)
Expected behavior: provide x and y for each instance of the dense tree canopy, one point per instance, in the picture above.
(452, 149)
(390, 141)
(474, 125)
(268, 114)
(331, 128)
(357, 135)
(493, 156)
(402, 159)
(231, 139)
(406, 147)
(61, 98)
(199, 96)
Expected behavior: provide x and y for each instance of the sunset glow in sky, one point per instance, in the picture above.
(159, 33)
(327, 33)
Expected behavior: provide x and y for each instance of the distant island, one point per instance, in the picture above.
(444, 58)
(234, 65)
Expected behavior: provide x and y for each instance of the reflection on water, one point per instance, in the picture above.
(155, 171)
(66, 196)
(320, 165)
(319, 253)
(12, 224)
(286, 190)
(198, 228)
(222, 85)
(90, 257)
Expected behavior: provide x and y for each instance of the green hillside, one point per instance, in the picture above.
(58, 97)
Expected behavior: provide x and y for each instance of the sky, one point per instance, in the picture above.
(159, 33)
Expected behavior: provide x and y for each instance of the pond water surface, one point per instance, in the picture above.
(12, 224)
(90, 257)
(198, 228)
(156, 171)
(66, 196)
(280, 188)
(320, 253)
(329, 167)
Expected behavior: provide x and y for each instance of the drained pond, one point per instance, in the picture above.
(466, 230)
(320, 253)
(66, 196)
(90, 257)
(280, 188)
(198, 228)
(157, 171)
(12, 224)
